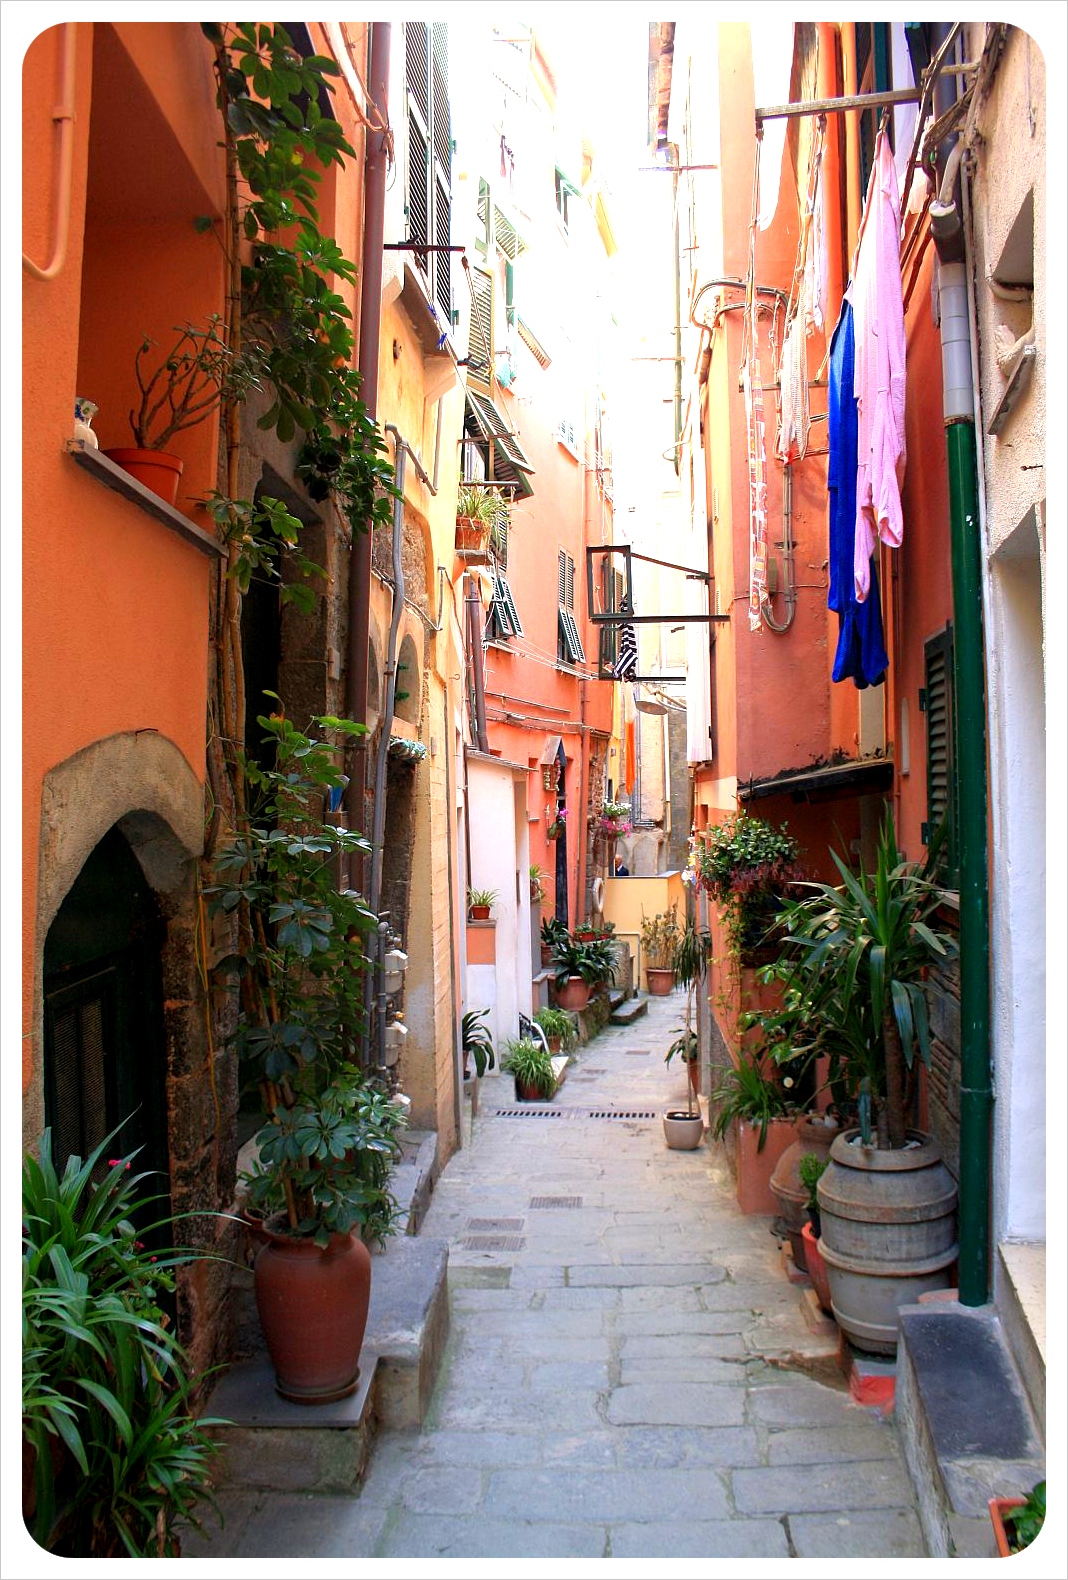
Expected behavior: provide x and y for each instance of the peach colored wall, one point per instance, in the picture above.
(115, 616)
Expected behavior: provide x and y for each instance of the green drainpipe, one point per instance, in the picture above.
(976, 1093)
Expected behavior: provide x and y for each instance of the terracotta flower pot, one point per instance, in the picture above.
(156, 469)
(575, 994)
(999, 1507)
(313, 1310)
(816, 1267)
(479, 913)
(661, 980)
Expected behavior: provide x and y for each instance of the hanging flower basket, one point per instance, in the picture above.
(555, 829)
(615, 828)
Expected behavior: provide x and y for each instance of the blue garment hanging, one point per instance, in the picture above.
(861, 654)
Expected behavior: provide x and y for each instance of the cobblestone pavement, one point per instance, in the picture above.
(629, 1373)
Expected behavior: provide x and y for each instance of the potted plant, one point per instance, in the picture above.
(759, 1110)
(558, 1027)
(478, 510)
(476, 1042)
(614, 819)
(1017, 1521)
(660, 936)
(748, 867)
(183, 388)
(602, 958)
(114, 1455)
(857, 956)
(479, 903)
(553, 932)
(531, 1066)
(556, 819)
(683, 1128)
(810, 1171)
(576, 967)
(814, 1134)
(537, 884)
(320, 1189)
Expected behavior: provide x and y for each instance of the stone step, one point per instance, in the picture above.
(628, 1011)
(413, 1178)
(270, 1443)
(1021, 1303)
(965, 1423)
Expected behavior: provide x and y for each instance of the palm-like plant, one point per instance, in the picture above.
(690, 962)
(476, 1041)
(855, 958)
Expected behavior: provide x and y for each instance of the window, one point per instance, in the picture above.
(502, 620)
(614, 590)
(938, 704)
(429, 154)
(505, 462)
(564, 190)
(481, 338)
(568, 643)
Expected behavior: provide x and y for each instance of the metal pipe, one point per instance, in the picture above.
(976, 1090)
(376, 162)
(63, 117)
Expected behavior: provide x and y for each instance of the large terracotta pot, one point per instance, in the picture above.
(156, 469)
(755, 1166)
(661, 980)
(887, 1231)
(313, 1310)
(812, 1136)
(574, 994)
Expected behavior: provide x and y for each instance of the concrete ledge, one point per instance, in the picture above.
(408, 1325)
(1020, 1295)
(965, 1425)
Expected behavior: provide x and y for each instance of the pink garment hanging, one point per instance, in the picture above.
(879, 318)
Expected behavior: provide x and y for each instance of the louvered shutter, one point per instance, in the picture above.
(480, 341)
(442, 172)
(417, 81)
(937, 702)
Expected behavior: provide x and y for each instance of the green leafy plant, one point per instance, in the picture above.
(118, 1454)
(810, 1170)
(553, 931)
(481, 897)
(330, 1137)
(476, 1041)
(537, 884)
(480, 504)
(557, 1023)
(570, 958)
(1023, 1523)
(660, 935)
(854, 959)
(748, 867)
(749, 1096)
(531, 1066)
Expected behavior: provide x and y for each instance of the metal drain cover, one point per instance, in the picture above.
(622, 1113)
(493, 1242)
(529, 1113)
(555, 1201)
(493, 1225)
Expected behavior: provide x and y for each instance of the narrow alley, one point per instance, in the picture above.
(628, 1371)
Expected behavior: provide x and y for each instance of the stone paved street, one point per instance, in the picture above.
(629, 1374)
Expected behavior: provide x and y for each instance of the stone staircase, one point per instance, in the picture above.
(970, 1403)
(270, 1443)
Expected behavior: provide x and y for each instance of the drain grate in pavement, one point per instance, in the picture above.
(556, 1201)
(529, 1113)
(493, 1225)
(493, 1242)
(575, 1113)
(637, 1053)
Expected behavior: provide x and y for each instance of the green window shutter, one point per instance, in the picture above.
(570, 641)
(482, 239)
(441, 127)
(504, 618)
(429, 155)
(480, 341)
(938, 704)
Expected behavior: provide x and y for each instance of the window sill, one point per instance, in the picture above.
(105, 471)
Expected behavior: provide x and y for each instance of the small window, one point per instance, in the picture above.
(569, 643)
(938, 704)
(502, 621)
(563, 191)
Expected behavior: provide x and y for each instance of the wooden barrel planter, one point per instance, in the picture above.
(888, 1233)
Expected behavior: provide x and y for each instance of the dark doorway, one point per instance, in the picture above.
(561, 843)
(104, 1059)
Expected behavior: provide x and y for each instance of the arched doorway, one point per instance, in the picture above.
(103, 1015)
